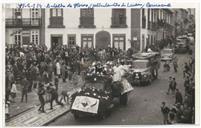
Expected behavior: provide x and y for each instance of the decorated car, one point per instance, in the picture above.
(99, 95)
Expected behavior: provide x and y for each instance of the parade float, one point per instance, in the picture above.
(100, 94)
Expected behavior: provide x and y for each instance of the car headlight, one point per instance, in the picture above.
(145, 75)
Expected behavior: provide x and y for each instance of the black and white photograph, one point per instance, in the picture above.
(99, 66)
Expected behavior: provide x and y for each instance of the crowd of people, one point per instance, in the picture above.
(36, 68)
(183, 110)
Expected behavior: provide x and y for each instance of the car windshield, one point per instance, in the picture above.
(140, 64)
(96, 85)
(167, 51)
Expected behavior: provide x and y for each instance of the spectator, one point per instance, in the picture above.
(24, 85)
(54, 96)
(56, 82)
(58, 69)
(175, 65)
(165, 110)
(172, 116)
(178, 97)
(13, 91)
(63, 72)
(7, 113)
(41, 93)
(186, 70)
(170, 85)
(50, 70)
(174, 85)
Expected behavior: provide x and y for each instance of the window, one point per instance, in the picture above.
(34, 13)
(119, 41)
(56, 18)
(17, 13)
(87, 18)
(143, 41)
(34, 17)
(87, 41)
(149, 19)
(56, 12)
(143, 19)
(35, 37)
(118, 18)
(26, 37)
(17, 38)
(71, 40)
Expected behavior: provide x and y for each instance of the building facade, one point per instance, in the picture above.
(88, 28)
(149, 26)
(24, 26)
(181, 21)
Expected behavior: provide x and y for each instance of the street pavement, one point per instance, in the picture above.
(21, 111)
(144, 102)
(143, 106)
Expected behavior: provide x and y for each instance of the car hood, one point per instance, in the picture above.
(169, 54)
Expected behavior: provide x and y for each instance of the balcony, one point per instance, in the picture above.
(119, 22)
(87, 22)
(164, 24)
(56, 22)
(23, 23)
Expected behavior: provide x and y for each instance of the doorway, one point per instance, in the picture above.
(102, 39)
(56, 40)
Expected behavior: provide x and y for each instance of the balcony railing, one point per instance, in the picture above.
(87, 22)
(24, 22)
(119, 22)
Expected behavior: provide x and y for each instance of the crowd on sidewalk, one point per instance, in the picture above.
(183, 110)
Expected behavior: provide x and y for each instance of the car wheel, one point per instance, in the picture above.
(102, 115)
(124, 99)
(76, 116)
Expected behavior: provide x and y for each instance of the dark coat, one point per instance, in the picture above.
(178, 97)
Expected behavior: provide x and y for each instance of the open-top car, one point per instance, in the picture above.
(98, 96)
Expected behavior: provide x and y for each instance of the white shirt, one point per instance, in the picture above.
(117, 74)
(149, 50)
(122, 69)
(14, 88)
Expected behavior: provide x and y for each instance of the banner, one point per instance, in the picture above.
(86, 104)
(126, 86)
